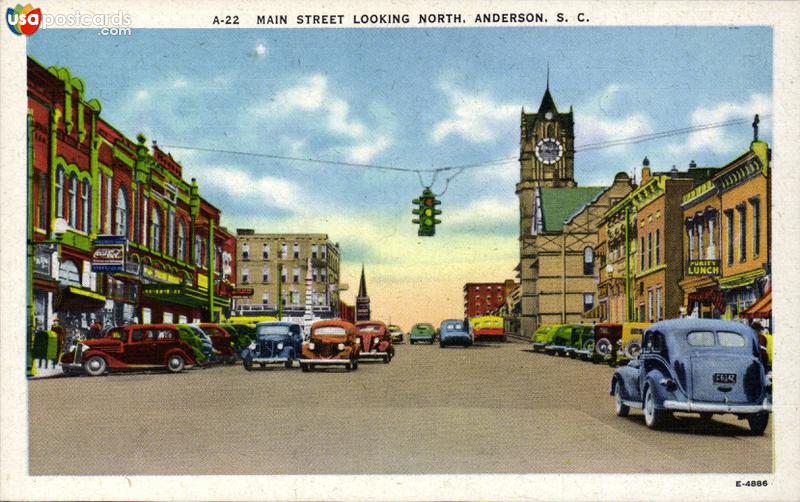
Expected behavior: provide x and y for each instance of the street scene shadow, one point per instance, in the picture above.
(692, 425)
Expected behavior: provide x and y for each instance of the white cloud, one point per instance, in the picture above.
(486, 210)
(142, 95)
(180, 83)
(307, 96)
(269, 190)
(475, 118)
(260, 51)
(720, 140)
(367, 151)
(594, 125)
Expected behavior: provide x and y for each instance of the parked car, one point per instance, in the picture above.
(242, 335)
(606, 340)
(630, 343)
(221, 340)
(455, 332)
(581, 342)
(488, 327)
(374, 341)
(277, 342)
(543, 336)
(199, 340)
(560, 339)
(703, 366)
(422, 332)
(331, 342)
(396, 332)
(135, 346)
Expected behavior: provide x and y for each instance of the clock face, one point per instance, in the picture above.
(548, 150)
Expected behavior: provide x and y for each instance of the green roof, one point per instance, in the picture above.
(559, 204)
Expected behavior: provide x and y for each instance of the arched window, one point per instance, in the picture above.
(60, 193)
(122, 213)
(73, 201)
(181, 241)
(155, 231)
(170, 247)
(86, 206)
(588, 261)
(68, 273)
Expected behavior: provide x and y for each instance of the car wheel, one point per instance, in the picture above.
(588, 345)
(386, 359)
(603, 347)
(95, 366)
(621, 408)
(247, 364)
(572, 354)
(758, 423)
(304, 367)
(348, 366)
(632, 349)
(175, 363)
(653, 417)
(411, 342)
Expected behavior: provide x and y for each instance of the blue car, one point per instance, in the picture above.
(455, 332)
(703, 366)
(276, 342)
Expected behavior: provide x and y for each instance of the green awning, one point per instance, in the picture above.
(743, 279)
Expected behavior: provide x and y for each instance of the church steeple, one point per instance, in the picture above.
(362, 285)
(363, 310)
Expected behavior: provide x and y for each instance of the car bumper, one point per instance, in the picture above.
(699, 407)
(325, 361)
(71, 367)
(372, 355)
(539, 345)
(422, 339)
(585, 353)
(269, 360)
(558, 348)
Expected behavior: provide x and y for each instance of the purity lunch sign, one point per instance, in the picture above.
(703, 267)
(108, 254)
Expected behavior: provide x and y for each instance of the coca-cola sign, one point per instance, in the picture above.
(108, 254)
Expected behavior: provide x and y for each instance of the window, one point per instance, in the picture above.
(245, 275)
(155, 231)
(284, 250)
(324, 273)
(145, 205)
(122, 213)
(314, 248)
(86, 194)
(649, 305)
(296, 274)
(742, 232)
(659, 311)
(641, 255)
(588, 261)
(296, 250)
(146, 316)
(198, 250)
(59, 193)
(181, 241)
(170, 232)
(295, 298)
(314, 274)
(588, 301)
(44, 194)
(68, 273)
(700, 338)
(730, 339)
(265, 253)
(690, 233)
(107, 214)
(265, 298)
(283, 274)
(265, 275)
(167, 320)
(650, 250)
(658, 246)
(245, 251)
(700, 250)
(756, 205)
(73, 201)
(323, 250)
(729, 222)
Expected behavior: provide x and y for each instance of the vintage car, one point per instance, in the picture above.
(396, 332)
(455, 332)
(422, 332)
(606, 340)
(331, 342)
(488, 327)
(221, 340)
(374, 341)
(244, 336)
(136, 346)
(582, 342)
(703, 366)
(543, 336)
(630, 343)
(277, 342)
(560, 339)
(201, 343)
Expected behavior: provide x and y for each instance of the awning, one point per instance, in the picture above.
(712, 296)
(743, 279)
(75, 299)
(762, 309)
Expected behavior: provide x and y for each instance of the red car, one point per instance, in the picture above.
(136, 346)
(375, 342)
(332, 342)
(221, 339)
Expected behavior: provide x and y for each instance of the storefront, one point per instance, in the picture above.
(742, 290)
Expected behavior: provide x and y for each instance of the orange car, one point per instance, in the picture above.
(375, 341)
(332, 342)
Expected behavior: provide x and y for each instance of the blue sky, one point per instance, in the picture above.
(413, 98)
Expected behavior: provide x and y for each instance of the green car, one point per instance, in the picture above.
(543, 336)
(242, 334)
(560, 339)
(582, 344)
(422, 332)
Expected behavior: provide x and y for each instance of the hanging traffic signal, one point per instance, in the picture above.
(426, 213)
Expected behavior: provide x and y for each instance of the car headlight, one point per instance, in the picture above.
(311, 346)
(340, 346)
(358, 341)
(280, 346)
(376, 341)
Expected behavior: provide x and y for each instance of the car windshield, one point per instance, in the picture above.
(604, 330)
(330, 331)
(722, 338)
(273, 330)
(372, 328)
(455, 326)
(423, 326)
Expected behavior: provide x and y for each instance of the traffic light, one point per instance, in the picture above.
(426, 213)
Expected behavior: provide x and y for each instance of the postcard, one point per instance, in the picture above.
(399, 251)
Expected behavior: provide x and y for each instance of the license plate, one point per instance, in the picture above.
(724, 377)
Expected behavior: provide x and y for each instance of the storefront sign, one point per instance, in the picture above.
(157, 290)
(108, 254)
(159, 275)
(202, 281)
(703, 267)
(243, 293)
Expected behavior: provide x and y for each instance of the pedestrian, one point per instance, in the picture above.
(61, 335)
(95, 330)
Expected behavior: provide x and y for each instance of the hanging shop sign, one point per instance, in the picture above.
(703, 267)
(242, 293)
(108, 253)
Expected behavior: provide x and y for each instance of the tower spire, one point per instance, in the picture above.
(548, 75)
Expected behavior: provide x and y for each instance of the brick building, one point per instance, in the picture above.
(483, 298)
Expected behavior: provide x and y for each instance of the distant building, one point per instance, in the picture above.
(483, 298)
(363, 311)
(272, 269)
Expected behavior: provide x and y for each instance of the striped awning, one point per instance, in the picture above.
(761, 309)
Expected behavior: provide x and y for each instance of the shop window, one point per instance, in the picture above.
(59, 202)
(588, 261)
(122, 213)
(73, 201)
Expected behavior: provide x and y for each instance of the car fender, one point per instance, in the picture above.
(287, 352)
(626, 378)
(111, 361)
(660, 391)
(186, 357)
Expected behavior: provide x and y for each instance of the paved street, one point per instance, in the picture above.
(491, 408)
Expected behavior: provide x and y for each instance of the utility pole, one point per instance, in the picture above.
(280, 292)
